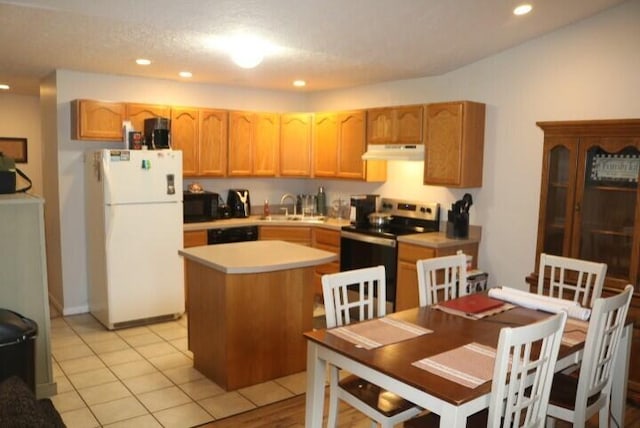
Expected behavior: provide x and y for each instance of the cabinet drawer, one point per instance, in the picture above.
(412, 253)
(195, 238)
(296, 234)
(326, 238)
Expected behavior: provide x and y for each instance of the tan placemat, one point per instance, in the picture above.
(378, 332)
(575, 331)
(470, 365)
(479, 315)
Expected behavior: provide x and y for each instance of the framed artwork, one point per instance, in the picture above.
(15, 148)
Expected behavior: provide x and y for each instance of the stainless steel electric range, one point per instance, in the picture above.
(365, 245)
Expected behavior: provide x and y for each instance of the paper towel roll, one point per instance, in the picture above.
(540, 302)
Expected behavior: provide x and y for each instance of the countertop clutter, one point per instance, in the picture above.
(429, 239)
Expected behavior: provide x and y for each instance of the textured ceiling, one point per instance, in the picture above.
(329, 43)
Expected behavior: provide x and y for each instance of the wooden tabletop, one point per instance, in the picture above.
(449, 332)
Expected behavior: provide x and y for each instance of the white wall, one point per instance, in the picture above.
(589, 70)
(20, 118)
(585, 71)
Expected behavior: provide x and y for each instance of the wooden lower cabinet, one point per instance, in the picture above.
(192, 238)
(328, 240)
(407, 279)
(294, 234)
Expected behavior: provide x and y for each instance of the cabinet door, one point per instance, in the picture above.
(325, 145)
(295, 145)
(408, 124)
(454, 144)
(380, 125)
(137, 113)
(240, 143)
(265, 145)
(213, 143)
(351, 145)
(184, 136)
(97, 120)
(607, 211)
(557, 195)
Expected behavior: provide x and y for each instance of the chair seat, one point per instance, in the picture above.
(477, 420)
(387, 403)
(564, 389)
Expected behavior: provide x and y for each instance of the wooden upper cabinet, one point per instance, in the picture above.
(295, 145)
(97, 120)
(325, 145)
(454, 144)
(184, 136)
(212, 161)
(395, 125)
(137, 113)
(351, 147)
(253, 144)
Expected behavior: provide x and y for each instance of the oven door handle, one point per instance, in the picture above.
(387, 242)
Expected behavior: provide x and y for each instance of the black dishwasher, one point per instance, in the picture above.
(232, 234)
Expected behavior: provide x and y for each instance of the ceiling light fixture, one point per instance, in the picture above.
(522, 9)
(4, 87)
(143, 61)
(299, 83)
(185, 74)
(247, 51)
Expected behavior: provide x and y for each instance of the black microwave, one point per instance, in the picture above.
(200, 206)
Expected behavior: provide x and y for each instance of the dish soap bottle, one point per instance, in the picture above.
(266, 212)
(321, 201)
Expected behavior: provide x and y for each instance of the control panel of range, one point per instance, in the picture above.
(411, 209)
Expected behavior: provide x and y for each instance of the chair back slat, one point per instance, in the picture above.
(582, 280)
(522, 376)
(441, 278)
(357, 293)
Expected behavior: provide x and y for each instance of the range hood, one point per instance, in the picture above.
(414, 152)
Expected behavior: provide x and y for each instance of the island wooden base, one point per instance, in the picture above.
(247, 328)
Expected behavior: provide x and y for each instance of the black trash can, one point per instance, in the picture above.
(17, 347)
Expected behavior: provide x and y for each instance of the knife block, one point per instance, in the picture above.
(458, 225)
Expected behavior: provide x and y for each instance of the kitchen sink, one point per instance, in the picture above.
(295, 218)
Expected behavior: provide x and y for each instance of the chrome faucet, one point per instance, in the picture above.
(293, 200)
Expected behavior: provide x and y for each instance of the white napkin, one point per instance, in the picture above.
(540, 302)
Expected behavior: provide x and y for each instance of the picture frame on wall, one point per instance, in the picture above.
(15, 148)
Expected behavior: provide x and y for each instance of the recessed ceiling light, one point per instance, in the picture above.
(186, 74)
(522, 9)
(4, 87)
(143, 61)
(299, 83)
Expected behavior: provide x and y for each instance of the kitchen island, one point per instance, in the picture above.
(249, 303)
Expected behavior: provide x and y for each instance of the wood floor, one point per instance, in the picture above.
(290, 413)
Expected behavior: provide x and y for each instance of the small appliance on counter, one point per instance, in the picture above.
(239, 203)
(156, 133)
(361, 207)
(200, 205)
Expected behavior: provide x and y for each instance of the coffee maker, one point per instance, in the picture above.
(361, 207)
(156, 133)
(239, 202)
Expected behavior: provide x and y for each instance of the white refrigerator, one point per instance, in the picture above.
(134, 231)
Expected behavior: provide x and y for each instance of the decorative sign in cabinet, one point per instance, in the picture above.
(395, 125)
(408, 255)
(589, 206)
(253, 144)
(295, 145)
(97, 120)
(338, 145)
(454, 144)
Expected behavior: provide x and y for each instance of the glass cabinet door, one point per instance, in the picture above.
(559, 182)
(606, 208)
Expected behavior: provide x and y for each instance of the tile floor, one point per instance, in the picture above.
(143, 377)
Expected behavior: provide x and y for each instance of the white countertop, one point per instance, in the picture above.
(257, 256)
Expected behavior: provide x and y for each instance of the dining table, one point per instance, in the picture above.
(396, 362)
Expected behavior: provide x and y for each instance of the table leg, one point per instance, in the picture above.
(315, 387)
(620, 377)
(451, 418)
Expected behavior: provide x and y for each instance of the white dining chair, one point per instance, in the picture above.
(349, 296)
(521, 380)
(577, 399)
(441, 278)
(582, 279)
